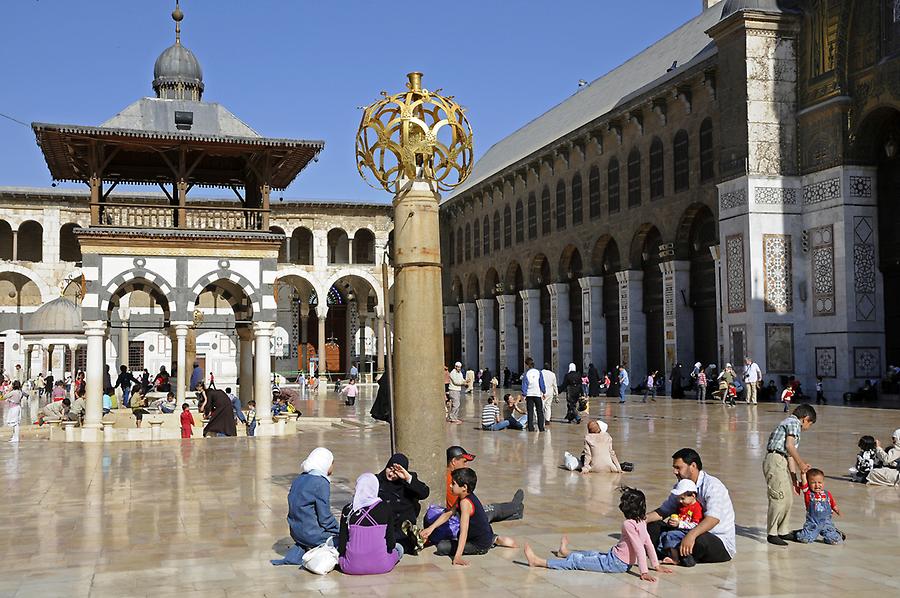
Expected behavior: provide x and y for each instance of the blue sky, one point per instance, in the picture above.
(298, 68)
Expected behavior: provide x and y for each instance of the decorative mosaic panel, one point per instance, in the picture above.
(353, 317)
(778, 284)
(669, 296)
(866, 362)
(860, 186)
(780, 348)
(826, 362)
(822, 191)
(864, 268)
(774, 196)
(734, 267)
(822, 255)
(733, 199)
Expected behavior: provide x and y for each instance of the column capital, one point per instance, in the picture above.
(181, 328)
(672, 266)
(626, 276)
(590, 281)
(263, 328)
(558, 288)
(245, 333)
(530, 293)
(505, 300)
(323, 317)
(484, 303)
(94, 328)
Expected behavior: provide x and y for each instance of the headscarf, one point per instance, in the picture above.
(896, 437)
(398, 459)
(319, 460)
(571, 367)
(603, 425)
(366, 493)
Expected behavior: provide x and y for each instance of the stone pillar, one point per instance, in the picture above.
(593, 324)
(245, 372)
(262, 378)
(720, 332)
(361, 355)
(304, 339)
(57, 364)
(181, 379)
(323, 379)
(487, 335)
(468, 315)
(379, 336)
(509, 334)
(678, 318)
(418, 340)
(632, 322)
(95, 331)
(123, 344)
(560, 329)
(349, 250)
(533, 332)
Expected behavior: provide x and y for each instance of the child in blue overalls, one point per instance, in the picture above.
(819, 507)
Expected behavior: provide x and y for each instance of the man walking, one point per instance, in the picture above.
(752, 378)
(552, 394)
(457, 382)
(534, 389)
(624, 383)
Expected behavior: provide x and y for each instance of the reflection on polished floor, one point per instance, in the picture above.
(203, 517)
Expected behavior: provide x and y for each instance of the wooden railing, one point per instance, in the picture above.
(126, 215)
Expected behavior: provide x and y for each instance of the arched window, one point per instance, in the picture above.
(560, 205)
(302, 246)
(363, 246)
(69, 248)
(486, 237)
(532, 216)
(545, 211)
(577, 212)
(6, 241)
(634, 178)
(707, 163)
(467, 246)
(657, 169)
(451, 246)
(275, 230)
(507, 224)
(476, 238)
(31, 242)
(497, 229)
(594, 192)
(682, 161)
(460, 243)
(612, 185)
(520, 221)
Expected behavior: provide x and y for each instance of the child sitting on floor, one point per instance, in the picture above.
(866, 460)
(475, 533)
(635, 547)
(689, 514)
(819, 507)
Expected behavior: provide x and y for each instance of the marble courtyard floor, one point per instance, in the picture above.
(203, 517)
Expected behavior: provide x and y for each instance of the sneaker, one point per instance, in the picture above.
(791, 536)
(776, 540)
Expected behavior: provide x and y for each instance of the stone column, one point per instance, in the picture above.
(418, 347)
(245, 372)
(123, 344)
(349, 250)
(509, 334)
(533, 332)
(678, 317)
(487, 335)
(593, 324)
(95, 331)
(714, 250)
(323, 379)
(632, 323)
(304, 339)
(262, 378)
(560, 329)
(379, 336)
(181, 379)
(468, 326)
(361, 355)
(58, 361)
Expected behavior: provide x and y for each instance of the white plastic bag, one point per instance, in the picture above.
(570, 461)
(321, 559)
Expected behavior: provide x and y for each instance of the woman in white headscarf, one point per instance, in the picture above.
(889, 472)
(366, 542)
(309, 509)
(598, 455)
(574, 389)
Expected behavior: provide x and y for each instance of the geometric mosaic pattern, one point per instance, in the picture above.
(734, 266)
(822, 191)
(778, 295)
(864, 268)
(826, 362)
(866, 362)
(860, 186)
(733, 199)
(822, 242)
(774, 196)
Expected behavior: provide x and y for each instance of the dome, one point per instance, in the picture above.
(59, 315)
(771, 6)
(177, 74)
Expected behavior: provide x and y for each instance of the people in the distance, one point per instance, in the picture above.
(574, 391)
(888, 472)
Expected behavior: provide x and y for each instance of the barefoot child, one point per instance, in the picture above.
(635, 547)
(689, 514)
(819, 507)
(475, 533)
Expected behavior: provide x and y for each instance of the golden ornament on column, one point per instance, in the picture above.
(414, 144)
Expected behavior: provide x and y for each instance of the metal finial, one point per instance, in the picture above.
(177, 16)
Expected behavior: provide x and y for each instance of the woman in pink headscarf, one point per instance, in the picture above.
(366, 541)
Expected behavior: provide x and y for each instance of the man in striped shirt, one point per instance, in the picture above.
(490, 417)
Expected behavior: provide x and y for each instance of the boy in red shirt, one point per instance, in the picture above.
(820, 506)
(689, 514)
(187, 421)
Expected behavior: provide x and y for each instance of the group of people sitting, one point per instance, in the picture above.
(877, 466)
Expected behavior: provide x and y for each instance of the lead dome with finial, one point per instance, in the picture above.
(177, 74)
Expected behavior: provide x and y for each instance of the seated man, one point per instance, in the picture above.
(515, 413)
(76, 412)
(490, 417)
(713, 540)
(58, 410)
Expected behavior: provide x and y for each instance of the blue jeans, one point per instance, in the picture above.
(126, 397)
(623, 388)
(671, 538)
(500, 425)
(588, 560)
(251, 428)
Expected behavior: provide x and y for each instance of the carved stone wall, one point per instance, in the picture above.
(777, 274)
(822, 261)
(734, 264)
(864, 268)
